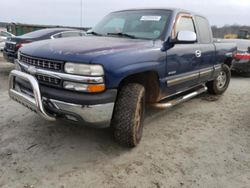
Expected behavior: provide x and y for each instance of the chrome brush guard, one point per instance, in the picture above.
(33, 103)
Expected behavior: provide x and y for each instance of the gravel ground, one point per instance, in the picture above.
(204, 142)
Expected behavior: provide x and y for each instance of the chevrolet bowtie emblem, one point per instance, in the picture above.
(32, 70)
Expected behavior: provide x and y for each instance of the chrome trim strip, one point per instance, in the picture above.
(182, 79)
(63, 76)
(217, 67)
(34, 104)
(206, 72)
(192, 76)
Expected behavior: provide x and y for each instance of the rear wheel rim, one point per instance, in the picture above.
(222, 80)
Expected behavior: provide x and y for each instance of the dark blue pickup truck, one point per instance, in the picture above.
(131, 58)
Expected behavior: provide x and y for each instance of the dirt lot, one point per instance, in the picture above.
(202, 143)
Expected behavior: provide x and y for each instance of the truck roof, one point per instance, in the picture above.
(176, 10)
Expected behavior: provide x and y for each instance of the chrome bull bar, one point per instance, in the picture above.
(33, 103)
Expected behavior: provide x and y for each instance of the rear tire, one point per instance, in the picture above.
(127, 121)
(221, 83)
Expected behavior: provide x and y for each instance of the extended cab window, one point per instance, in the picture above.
(204, 30)
(184, 23)
(142, 24)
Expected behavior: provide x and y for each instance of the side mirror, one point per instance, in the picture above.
(183, 37)
(186, 37)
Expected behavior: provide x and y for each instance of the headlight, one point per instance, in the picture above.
(83, 69)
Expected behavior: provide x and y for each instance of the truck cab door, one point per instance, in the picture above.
(207, 48)
(182, 62)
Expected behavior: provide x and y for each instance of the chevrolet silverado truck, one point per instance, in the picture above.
(160, 57)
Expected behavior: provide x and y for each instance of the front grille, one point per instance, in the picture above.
(41, 63)
(48, 80)
(10, 46)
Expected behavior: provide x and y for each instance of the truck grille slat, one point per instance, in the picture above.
(48, 80)
(42, 63)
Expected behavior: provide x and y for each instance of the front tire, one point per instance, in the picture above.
(127, 121)
(221, 83)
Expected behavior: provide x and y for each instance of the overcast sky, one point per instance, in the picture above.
(67, 12)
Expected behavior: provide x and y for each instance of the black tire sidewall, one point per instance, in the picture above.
(130, 97)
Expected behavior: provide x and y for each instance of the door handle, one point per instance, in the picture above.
(198, 53)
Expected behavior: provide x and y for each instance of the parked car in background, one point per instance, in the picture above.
(241, 62)
(3, 38)
(14, 43)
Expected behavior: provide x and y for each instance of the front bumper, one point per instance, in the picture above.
(9, 56)
(241, 66)
(51, 108)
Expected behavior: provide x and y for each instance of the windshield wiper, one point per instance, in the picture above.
(94, 33)
(122, 35)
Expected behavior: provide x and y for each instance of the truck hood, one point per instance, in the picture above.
(83, 49)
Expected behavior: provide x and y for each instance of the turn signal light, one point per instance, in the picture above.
(96, 88)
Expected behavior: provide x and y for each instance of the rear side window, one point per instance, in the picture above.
(184, 24)
(204, 29)
(68, 34)
(71, 34)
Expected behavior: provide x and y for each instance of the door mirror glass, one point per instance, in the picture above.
(186, 37)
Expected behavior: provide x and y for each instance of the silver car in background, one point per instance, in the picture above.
(3, 38)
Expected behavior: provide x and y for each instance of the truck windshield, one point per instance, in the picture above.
(141, 24)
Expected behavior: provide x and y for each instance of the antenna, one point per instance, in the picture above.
(81, 14)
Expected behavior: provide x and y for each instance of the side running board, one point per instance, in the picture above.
(180, 99)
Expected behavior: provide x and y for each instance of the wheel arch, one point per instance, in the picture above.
(229, 62)
(149, 79)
